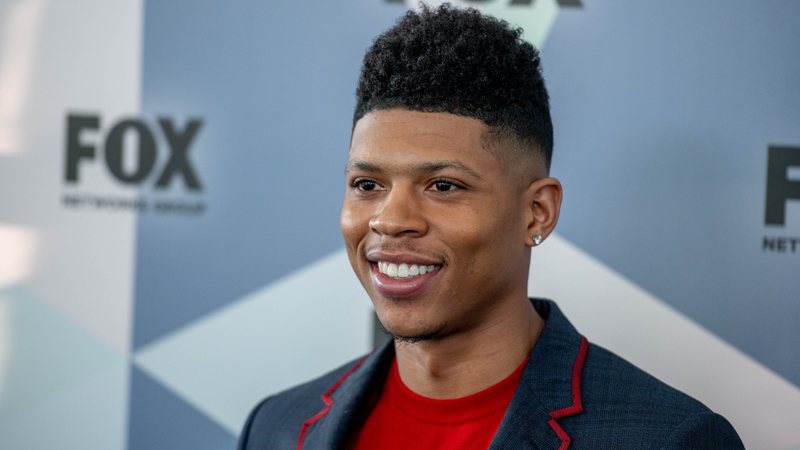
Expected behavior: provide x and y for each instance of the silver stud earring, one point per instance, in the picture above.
(537, 239)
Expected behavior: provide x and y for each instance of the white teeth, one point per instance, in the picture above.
(404, 270)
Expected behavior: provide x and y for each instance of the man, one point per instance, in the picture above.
(447, 193)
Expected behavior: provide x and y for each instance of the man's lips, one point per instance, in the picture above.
(407, 287)
(401, 275)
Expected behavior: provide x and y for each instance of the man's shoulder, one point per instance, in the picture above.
(617, 394)
(605, 378)
(609, 378)
(600, 400)
(276, 421)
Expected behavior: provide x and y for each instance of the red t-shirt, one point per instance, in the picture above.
(404, 420)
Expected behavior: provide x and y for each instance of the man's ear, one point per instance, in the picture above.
(543, 198)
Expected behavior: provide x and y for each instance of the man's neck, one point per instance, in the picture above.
(465, 363)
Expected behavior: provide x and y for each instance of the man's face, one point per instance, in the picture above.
(435, 224)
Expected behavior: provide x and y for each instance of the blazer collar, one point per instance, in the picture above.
(550, 388)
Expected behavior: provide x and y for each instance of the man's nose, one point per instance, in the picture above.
(399, 215)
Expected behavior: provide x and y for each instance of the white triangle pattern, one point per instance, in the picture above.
(290, 331)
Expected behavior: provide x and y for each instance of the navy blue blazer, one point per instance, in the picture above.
(573, 394)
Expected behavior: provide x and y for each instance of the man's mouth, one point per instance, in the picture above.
(405, 270)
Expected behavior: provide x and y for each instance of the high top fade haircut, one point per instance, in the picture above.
(461, 62)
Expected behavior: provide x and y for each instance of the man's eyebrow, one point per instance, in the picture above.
(362, 166)
(414, 169)
(436, 166)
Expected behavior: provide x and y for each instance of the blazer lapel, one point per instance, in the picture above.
(550, 388)
(347, 402)
(525, 424)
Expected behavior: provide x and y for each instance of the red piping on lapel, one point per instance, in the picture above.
(327, 399)
(577, 403)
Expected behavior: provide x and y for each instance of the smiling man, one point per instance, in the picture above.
(447, 192)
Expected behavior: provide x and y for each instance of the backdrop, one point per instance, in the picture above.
(171, 177)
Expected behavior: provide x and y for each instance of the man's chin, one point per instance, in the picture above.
(414, 337)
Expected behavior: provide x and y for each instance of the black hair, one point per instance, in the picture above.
(461, 62)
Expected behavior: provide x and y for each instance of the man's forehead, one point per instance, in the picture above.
(430, 136)
(403, 123)
(428, 141)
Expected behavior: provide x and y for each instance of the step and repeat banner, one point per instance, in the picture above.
(171, 174)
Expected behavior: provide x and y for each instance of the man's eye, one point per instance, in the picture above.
(365, 185)
(444, 186)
